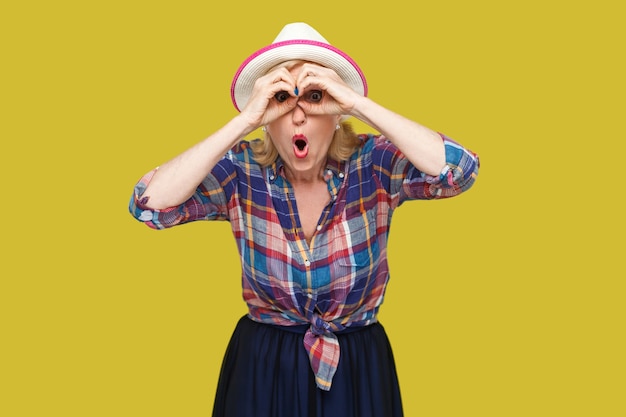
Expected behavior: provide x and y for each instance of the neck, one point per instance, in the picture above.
(307, 177)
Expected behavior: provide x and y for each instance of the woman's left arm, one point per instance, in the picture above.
(423, 147)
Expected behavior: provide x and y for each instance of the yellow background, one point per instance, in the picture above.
(505, 301)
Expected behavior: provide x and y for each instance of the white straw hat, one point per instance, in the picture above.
(295, 41)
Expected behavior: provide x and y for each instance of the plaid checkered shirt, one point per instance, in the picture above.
(339, 279)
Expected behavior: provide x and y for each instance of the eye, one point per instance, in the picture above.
(281, 96)
(315, 96)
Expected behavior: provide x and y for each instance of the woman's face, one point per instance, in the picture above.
(302, 140)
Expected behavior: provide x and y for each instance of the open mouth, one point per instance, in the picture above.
(300, 146)
(300, 143)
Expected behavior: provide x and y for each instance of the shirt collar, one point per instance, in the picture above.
(333, 168)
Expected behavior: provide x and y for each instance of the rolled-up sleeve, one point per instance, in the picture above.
(459, 173)
(209, 202)
(406, 182)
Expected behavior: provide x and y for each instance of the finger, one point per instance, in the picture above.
(276, 109)
(281, 86)
(305, 78)
(281, 75)
(306, 73)
(312, 70)
(317, 109)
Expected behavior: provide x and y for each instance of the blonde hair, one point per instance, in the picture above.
(343, 145)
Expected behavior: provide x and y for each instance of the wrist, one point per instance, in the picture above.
(362, 108)
(243, 125)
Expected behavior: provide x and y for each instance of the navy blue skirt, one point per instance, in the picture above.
(266, 373)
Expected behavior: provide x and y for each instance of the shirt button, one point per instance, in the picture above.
(309, 295)
(319, 227)
(307, 262)
(329, 172)
(272, 177)
(341, 175)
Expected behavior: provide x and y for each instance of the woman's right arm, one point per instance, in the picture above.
(176, 181)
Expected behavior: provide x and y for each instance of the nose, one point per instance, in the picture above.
(298, 116)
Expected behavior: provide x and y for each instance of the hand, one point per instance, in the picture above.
(338, 97)
(262, 107)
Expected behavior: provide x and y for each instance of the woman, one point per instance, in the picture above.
(310, 208)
